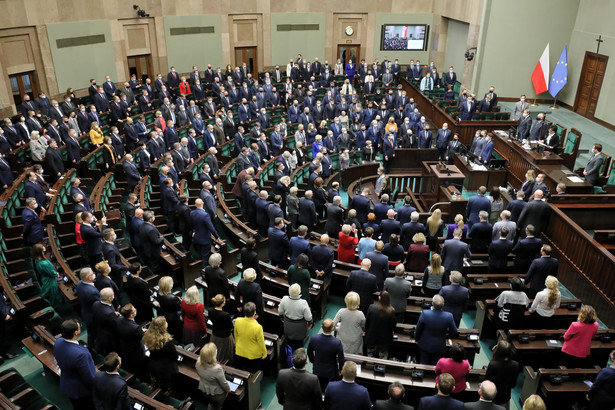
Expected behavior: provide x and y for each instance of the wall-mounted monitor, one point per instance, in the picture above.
(401, 37)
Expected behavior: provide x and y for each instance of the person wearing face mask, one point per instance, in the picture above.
(101, 102)
(520, 106)
(449, 78)
(109, 88)
(91, 234)
(32, 227)
(454, 147)
(151, 241)
(524, 125)
(442, 140)
(112, 255)
(173, 78)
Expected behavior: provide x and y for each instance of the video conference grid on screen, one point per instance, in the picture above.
(403, 37)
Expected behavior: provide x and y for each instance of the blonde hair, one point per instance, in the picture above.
(552, 283)
(459, 221)
(215, 260)
(165, 285)
(192, 295)
(294, 291)
(249, 275)
(587, 314)
(293, 190)
(418, 238)
(102, 267)
(434, 221)
(207, 357)
(534, 402)
(156, 335)
(352, 300)
(435, 265)
(530, 175)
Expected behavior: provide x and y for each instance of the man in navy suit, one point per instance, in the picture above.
(442, 139)
(389, 226)
(169, 200)
(112, 255)
(453, 252)
(539, 270)
(33, 189)
(278, 244)
(526, 250)
(425, 137)
(364, 283)
(6, 175)
(476, 204)
(381, 209)
(408, 230)
(298, 244)
(455, 297)
(326, 354)
(203, 229)
(442, 400)
(498, 252)
(487, 151)
(480, 233)
(346, 394)
(151, 240)
(388, 149)
(77, 369)
(32, 227)
(379, 264)
(133, 177)
(516, 206)
(88, 294)
(467, 109)
(432, 329)
(321, 260)
(110, 389)
(92, 236)
(405, 211)
(105, 322)
(296, 388)
(307, 211)
(75, 188)
(539, 129)
(361, 203)
(601, 394)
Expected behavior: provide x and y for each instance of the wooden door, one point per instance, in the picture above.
(246, 55)
(23, 83)
(141, 66)
(590, 83)
(346, 52)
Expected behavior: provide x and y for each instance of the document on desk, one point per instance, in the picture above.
(477, 167)
(575, 179)
(553, 343)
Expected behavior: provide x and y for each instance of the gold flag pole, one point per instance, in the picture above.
(534, 103)
(554, 106)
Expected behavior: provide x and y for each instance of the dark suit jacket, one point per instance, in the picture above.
(150, 240)
(379, 268)
(360, 203)
(432, 329)
(391, 405)
(515, 207)
(403, 213)
(365, 284)
(278, 245)
(438, 402)
(525, 251)
(298, 390)
(476, 204)
(131, 334)
(452, 254)
(408, 230)
(321, 258)
(33, 190)
(111, 392)
(307, 212)
(466, 114)
(88, 294)
(77, 368)
(92, 238)
(343, 395)
(388, 227)
(335, 219)
(482, 405)
(105, 321)
(498, 255)
(32, 227)
(593, 168)
(535, 213)
(455, 300)
(538, 272)
(250, 292)
(297, 246)
(327, 356)
(113, 257)
(481, 234)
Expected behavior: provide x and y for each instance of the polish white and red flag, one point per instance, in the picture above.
(541, 73)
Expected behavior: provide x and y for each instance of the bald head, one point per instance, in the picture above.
(538, 194)
(324, 239)
(198, 203)
(327, 326)
(139, 213)
(366, 264)
(487, 390)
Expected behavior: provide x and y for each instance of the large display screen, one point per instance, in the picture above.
(401, 37)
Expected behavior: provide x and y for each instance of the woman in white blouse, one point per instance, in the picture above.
(547, 300)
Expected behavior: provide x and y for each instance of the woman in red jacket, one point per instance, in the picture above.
(184, 87)
(345, 249)
(194, 319)
(578, 338)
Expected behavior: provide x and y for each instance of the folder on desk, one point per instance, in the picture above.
(553, 343)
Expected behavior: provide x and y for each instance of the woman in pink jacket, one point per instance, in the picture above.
(578, 338)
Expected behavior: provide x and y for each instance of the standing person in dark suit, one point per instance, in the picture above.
(361, 203)
(524, 125)
(250, 258)
(169, 201)
(151, 241)
(476, 204)
(77, 369)
(592, 169)
(516, 206)
(503, 371)
(539, 129)
(110, 389)
(298, 245)
(139, 292)
(601, 394)
(455, 297)
(535, 213)
(105, 321)
(131, 347)
(249, 291)
(307, 211)
(396, 394)
(335, 217)
(111, 253)
(296, 388)
(379, 265)
(88, 294)
(326, 354)
(526, 250)
(487, 392)
(388, 150)
(91, 234)
(442, 400)
(480, 234)
(467, 109)
(498, 253)
(453, 252)
(346, 393)
(364, 283)
(278, 244)
(432, 329)
(203, 229)
(32, 227)
(539, 270)
(321, 260)
(133, 177)
(53, 161)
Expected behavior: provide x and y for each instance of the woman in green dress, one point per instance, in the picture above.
(298, 273)
(48, 277)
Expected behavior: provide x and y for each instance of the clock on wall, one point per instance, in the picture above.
(349, 30)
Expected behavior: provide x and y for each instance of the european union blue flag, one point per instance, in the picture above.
(559, 78)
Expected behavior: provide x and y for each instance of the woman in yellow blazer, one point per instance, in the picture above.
(249, 340)
(96, 135)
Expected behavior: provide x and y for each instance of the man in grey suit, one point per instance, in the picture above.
(454, 251)
(592, 169)
(243, 162)
(520, 106)
(487, 392)
(399, 290)
(296, 388)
